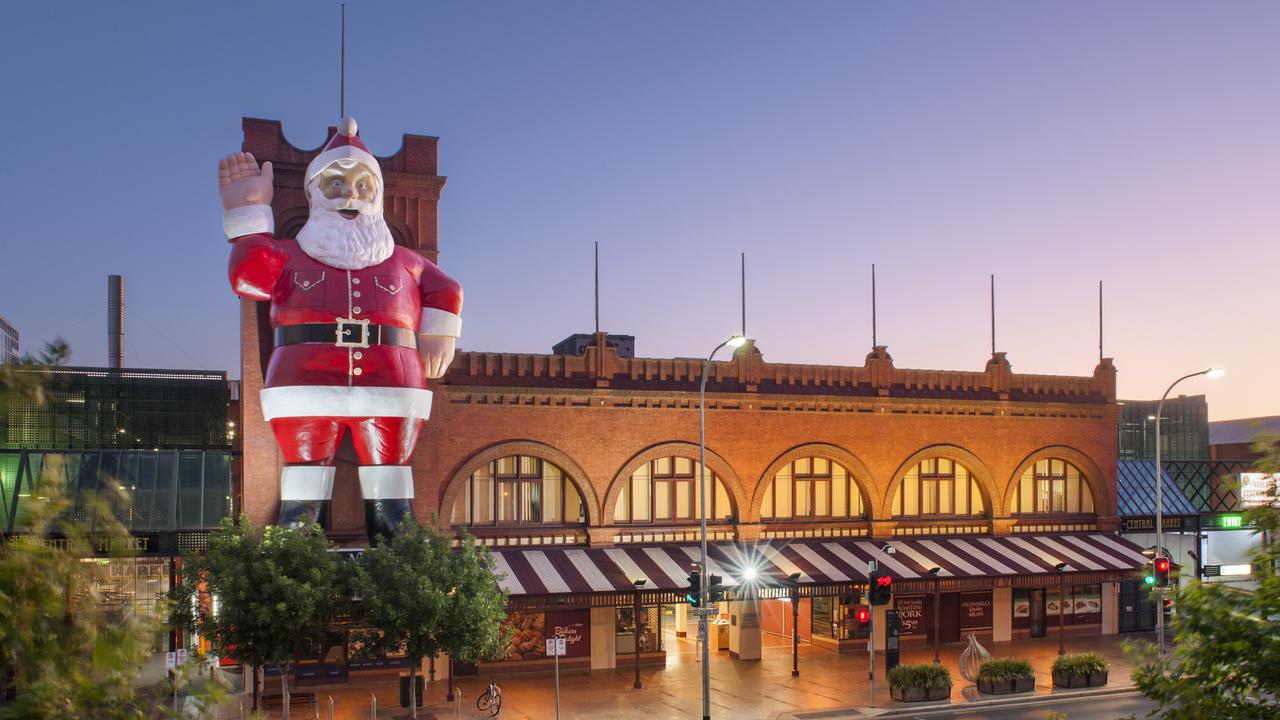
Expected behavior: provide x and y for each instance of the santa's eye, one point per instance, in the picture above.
(363, 186)
(335, 183)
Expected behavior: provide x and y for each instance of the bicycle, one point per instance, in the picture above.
(491, 699)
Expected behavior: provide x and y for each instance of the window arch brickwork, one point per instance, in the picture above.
(527, 448)
(1101, 485)
(715, 465)
(975, 468)
(858, 474)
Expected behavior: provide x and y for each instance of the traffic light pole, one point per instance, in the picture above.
(871, 640)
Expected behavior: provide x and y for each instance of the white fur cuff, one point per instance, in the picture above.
(248, 220)
(440, 322)
(386, 482)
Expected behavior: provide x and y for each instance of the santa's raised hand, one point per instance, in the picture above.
(241, 182)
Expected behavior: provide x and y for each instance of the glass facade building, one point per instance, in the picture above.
(1184, 431)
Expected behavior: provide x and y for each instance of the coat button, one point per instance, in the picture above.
(356, 371)
(355, 310)
(355, 293)
(357, 355)
(355, 281)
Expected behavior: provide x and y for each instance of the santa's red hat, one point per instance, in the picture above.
(345, 145)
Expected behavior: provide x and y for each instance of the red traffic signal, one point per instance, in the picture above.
(881, 589)
(1161, 567)
(863, 615)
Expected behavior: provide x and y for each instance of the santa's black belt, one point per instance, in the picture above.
(347, 334)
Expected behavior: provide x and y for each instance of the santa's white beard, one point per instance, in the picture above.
(360, 242)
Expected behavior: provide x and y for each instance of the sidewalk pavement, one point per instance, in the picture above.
(740, 690)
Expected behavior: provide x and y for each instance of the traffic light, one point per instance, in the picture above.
(695, 589)
(1161, 566)
(715, 588)
(862, 616)
(881, 590)
(1150, 579)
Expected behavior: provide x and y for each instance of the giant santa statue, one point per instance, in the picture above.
(360, 325)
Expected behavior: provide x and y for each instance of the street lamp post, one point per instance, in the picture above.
(636, 617)
(937, 613)
(734, 342)
(1062, 606)
(1211, 373)
(794, 582)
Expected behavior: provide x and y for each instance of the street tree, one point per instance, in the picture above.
(65, 651)
(421, 595)
(1226, 660)
(276, 590)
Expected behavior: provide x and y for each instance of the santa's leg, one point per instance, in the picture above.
(384, 446)
(306, 483)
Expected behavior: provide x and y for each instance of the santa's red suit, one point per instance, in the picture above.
(346, 356)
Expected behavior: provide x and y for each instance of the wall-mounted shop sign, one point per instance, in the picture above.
(1148, 524)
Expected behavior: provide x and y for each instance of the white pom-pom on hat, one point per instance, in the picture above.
(347, 127)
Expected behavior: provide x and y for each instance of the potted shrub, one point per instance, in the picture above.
(925, 681)
(1006, 675)
(1080, 670)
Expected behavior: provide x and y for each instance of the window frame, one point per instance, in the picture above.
(937, 479)
(519, 480)
(670, 478)
(811, 479)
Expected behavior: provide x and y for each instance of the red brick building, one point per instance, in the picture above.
(581, 472)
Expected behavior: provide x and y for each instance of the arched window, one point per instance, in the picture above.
(666, 491)
(812, 487)
(1053, 486)
(938, 486)
(519, 490)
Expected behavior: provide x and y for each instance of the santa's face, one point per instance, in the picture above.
(345, 228)
(355, 182)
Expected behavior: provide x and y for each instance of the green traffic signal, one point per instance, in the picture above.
(1150, 580)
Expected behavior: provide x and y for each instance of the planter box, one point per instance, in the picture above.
(1064, 680)
(1006, 687)
(914, 694)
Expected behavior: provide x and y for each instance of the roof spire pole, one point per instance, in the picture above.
(873, 306)
(993, 314)
(342, 62)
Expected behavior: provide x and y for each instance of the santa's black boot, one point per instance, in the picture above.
(304, 495)
(299, 512)
(388, 498)
(382, 517)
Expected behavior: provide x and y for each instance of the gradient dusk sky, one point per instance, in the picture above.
(1053, 144)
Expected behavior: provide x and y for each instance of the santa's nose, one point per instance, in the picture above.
(349, 191)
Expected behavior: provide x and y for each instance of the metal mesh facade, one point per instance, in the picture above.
(100, 408)
(1184, 432)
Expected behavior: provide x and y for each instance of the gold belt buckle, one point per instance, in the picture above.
(344, 330)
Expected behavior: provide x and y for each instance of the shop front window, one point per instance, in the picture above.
(666, 491)
(650, 630)
(833, 618)
(812, 487)
(518, 490)
(1053, 486)
(938, 487)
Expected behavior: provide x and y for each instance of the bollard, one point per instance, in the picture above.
(457, 702)
(373, 706)
(241, 710)
(330, 707)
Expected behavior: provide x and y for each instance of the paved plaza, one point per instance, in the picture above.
(751, 690)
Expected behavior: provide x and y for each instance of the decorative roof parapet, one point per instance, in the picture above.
(601, 367)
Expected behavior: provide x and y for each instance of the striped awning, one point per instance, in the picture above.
(555, 571)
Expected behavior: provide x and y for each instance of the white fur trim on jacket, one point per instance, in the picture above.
(248, 220)
(343, 401)
(307, 482)
(386, 482)
(440, 322)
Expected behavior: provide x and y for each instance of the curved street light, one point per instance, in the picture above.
(735, 342)
(1211, 373)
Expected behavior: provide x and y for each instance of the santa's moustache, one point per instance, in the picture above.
(334, 240)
